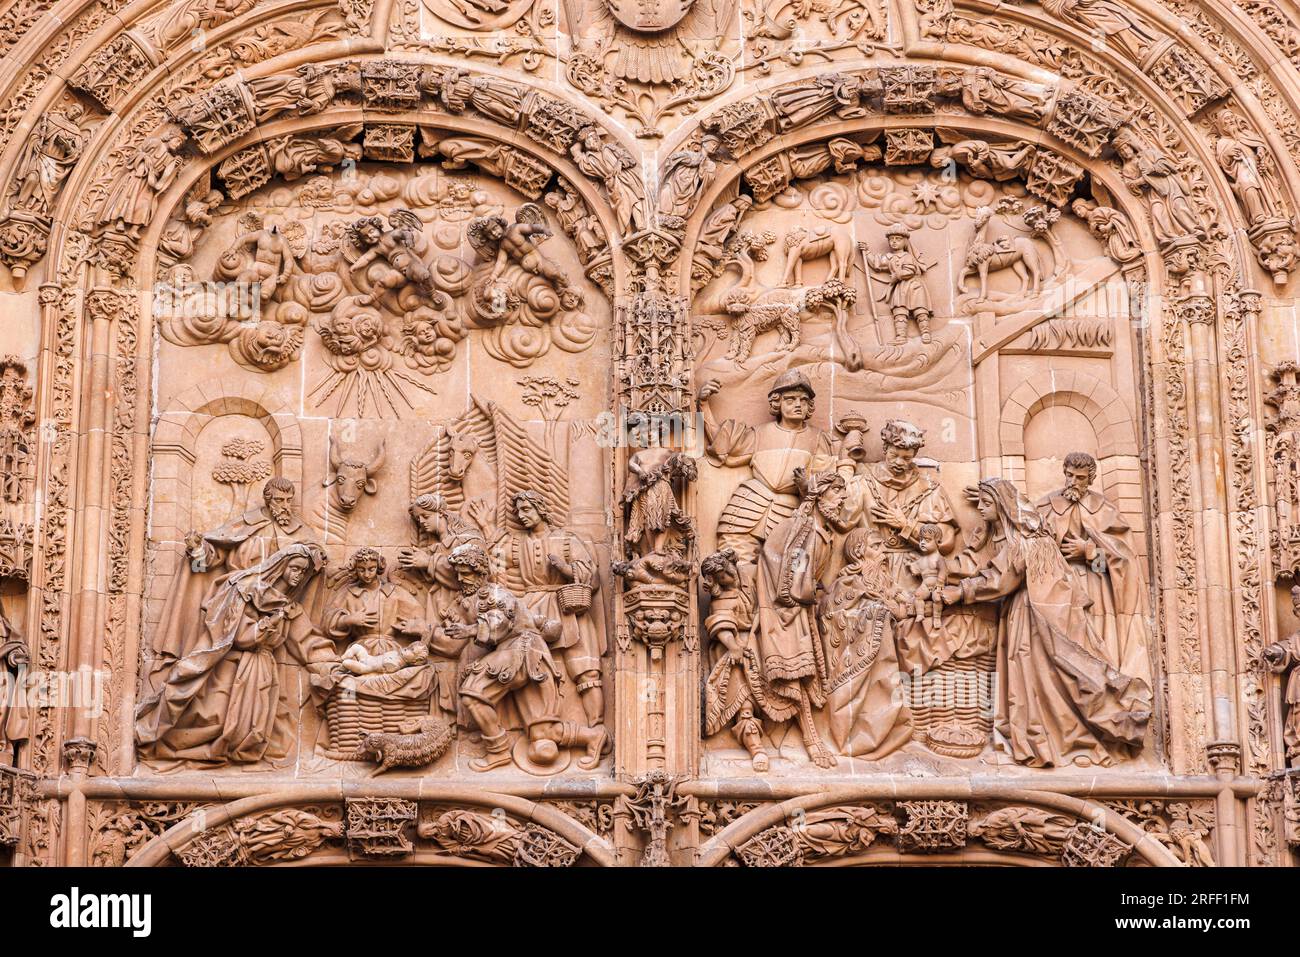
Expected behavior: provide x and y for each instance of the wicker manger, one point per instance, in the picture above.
(351, 714)
(957, 729)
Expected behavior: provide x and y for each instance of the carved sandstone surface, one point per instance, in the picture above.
(547, 417)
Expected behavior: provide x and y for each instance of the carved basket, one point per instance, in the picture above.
(574, 598)
(958, 728)
(352, 713)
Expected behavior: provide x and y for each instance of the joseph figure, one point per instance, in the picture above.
(241, 543)
(1094, 539)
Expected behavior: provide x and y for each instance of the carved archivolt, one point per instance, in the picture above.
(488, 828)
(520, 371)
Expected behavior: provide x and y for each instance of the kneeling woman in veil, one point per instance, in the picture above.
(224, 700)
(1058, 700)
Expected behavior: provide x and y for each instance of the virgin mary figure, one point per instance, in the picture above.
(228, 699)
(1058, 700)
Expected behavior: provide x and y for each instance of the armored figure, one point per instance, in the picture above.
(772, 452)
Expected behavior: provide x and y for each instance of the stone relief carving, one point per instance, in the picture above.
(900, 594)
(221, 701)
(1283, 430)
(791, 272)
(188, 20)
(1182, 826)
(1246, 161)
(17, 429)
(491, 626)
(389, 295)
(14, 716)
(497, 839)
(115, 69)
(119, 830)
(650, 61)
(1283, 657)
(52, 149)
(289, 834)
(777, 32)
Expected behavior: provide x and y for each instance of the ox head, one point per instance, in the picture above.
(352, 478)
(463, 449)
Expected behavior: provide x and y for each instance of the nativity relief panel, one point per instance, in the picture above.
(380, 537)
(575, 427)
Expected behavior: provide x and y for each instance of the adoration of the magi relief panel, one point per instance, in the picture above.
(601, 433)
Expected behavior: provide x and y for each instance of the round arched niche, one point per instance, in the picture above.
(1051, 434)
(211, 428)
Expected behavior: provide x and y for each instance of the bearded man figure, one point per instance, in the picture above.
(1094, 539)
(232, 697)
(241, 543)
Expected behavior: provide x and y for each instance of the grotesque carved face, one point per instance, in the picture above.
(271, 337)
(295, 572)
(280, 504)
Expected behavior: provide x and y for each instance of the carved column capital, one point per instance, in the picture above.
(1196, 309)
(79, 754)
(1224, 755)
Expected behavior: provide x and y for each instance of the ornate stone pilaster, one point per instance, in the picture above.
(657, 655)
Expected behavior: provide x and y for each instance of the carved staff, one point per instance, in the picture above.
(871, 293)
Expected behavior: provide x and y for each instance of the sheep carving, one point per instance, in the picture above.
(420, 742)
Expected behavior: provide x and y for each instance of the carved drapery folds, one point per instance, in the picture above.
(758, 395)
